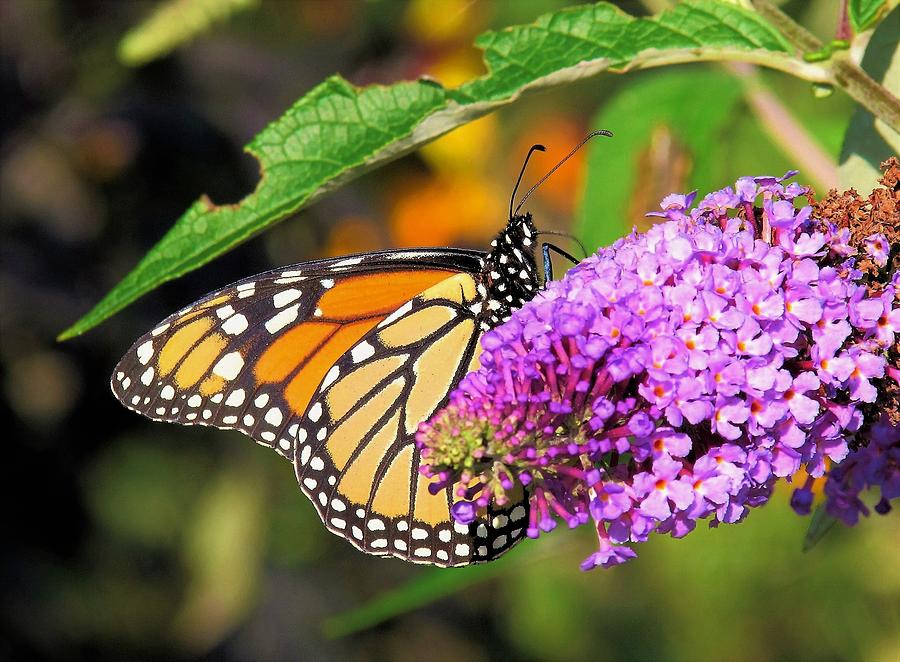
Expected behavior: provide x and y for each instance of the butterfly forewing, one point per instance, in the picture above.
(234, 359)
(334, 363)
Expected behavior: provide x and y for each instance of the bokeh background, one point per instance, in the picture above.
(129, 539)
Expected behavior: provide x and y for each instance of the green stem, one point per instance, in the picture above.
(846, 74)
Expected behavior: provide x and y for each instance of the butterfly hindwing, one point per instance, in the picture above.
(356, 458)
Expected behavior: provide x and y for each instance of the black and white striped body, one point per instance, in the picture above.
(509, 275)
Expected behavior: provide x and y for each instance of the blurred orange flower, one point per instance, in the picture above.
(445, 211)
(353, 234)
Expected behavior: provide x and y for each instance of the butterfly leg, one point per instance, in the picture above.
(548, 264)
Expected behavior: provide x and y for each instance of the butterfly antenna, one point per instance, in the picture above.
(592, 134)
(568, 236)
(512, 198)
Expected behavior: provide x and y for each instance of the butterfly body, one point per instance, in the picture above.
(333, 364)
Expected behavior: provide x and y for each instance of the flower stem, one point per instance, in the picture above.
(847, 75)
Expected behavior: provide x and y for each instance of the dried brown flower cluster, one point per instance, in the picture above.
(879, 213)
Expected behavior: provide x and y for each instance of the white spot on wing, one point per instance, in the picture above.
(283, 298)
(235, 398)
(147, 377)
(315, 412)
(145, 352)
(224, 312)
(397, 314)
(229, 366)
(274, 416)
(167, 392)
(330, 377)
(362, 351)
(235, 324)
(350, 261)
(282, 319)
(194, 401)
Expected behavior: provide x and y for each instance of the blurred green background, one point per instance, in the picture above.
(137, 540)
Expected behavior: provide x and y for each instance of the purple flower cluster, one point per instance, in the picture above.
(676, 375)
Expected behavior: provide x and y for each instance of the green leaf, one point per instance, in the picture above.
(173, 23)
(869, 141)
(679, 103)
(337, 132)
(580, 42)
(820, 525)
(322, 141)
(865, 13)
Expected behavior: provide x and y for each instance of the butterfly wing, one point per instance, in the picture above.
(333, 363)
(356, 458)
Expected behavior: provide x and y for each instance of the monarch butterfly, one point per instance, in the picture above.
(334, 363)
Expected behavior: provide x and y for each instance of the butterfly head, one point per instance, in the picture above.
(509, 276)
